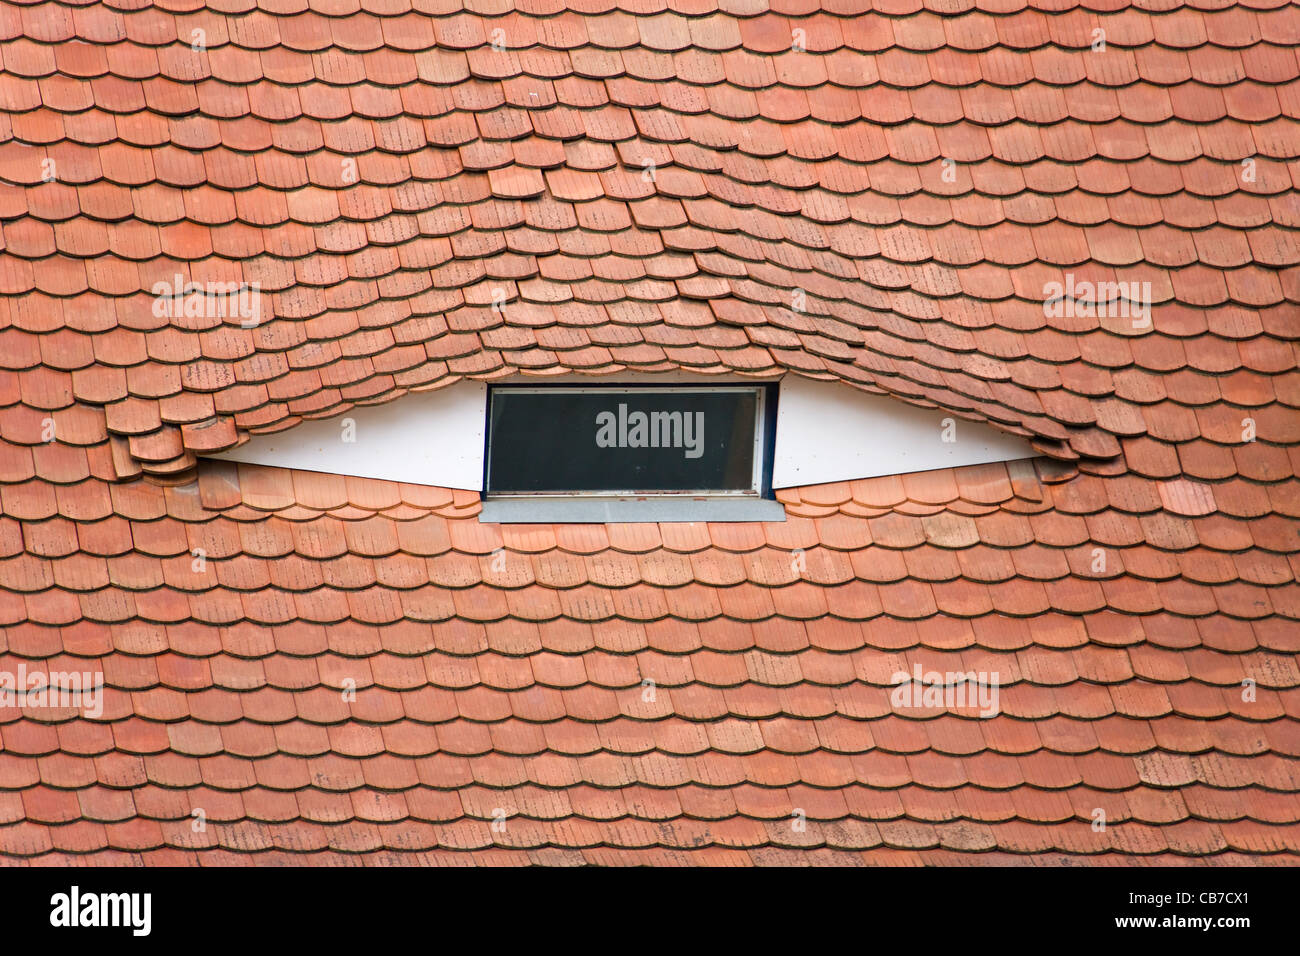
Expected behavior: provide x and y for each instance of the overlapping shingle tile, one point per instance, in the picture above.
(331, 668)
(433, 194)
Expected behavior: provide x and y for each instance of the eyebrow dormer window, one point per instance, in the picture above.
(616, 453)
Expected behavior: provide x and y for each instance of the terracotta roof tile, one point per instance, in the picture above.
(1123, 594)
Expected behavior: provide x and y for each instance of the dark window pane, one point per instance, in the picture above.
(645, 440)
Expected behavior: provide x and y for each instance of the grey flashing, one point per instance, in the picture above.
(579, 510)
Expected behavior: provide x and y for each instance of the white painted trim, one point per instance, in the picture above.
(658, 510)
(426, 438)
(830, 432)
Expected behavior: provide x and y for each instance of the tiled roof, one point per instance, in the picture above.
(504, 668)
(652, 186)
(382, 173)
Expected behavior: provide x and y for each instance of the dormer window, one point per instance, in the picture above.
(686, 449)
(630, 453)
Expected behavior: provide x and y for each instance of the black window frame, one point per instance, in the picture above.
(767, 394)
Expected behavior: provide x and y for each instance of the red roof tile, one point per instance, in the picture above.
(641, 693)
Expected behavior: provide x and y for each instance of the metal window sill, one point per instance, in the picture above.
(657, 510)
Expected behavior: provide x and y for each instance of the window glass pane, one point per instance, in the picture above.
(633, 440)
